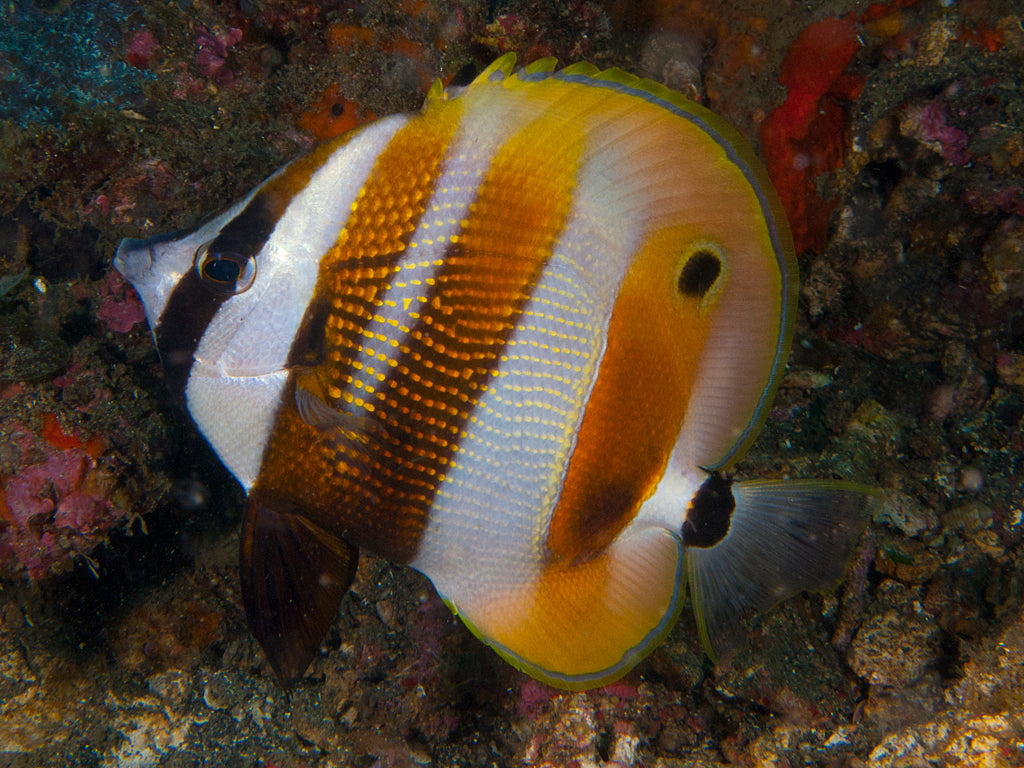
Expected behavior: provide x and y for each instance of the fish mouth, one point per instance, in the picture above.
(134, 259)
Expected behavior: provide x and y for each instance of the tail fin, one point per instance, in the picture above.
(784, 537)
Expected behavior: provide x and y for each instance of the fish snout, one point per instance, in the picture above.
(134, 260)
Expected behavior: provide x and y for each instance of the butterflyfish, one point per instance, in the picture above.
(517, 341)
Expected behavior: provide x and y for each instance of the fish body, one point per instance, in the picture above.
(516, 341)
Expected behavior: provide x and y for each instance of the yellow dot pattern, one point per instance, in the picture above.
(408, 388)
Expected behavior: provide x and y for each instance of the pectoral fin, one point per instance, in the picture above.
(293, 574)
(782, 538)
(356, 436)
(354, 430)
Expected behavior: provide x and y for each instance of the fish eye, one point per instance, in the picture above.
(224, 270)
(701, 268)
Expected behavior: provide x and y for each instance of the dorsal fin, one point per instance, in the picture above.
(503, 69)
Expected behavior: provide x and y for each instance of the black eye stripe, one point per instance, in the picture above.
(249, 231)
(193, 305)
(700, 273)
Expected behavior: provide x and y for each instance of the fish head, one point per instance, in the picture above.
(219, 300)
(217, 296)
(186, 266)
(227, 300)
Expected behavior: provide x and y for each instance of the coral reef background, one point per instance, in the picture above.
(895, 134)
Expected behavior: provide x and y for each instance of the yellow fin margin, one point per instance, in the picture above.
(504, 64)
(585, 625)
(516, 78)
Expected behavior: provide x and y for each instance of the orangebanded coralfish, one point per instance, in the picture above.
(515, 341)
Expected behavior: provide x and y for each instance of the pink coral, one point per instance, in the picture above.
(79, 511)
(951, 140)
(141, 49)
(22, 496)
(31, 492)
(120, 307)
(213, 54)
(122, 316)
(51, 508)
(533, 698)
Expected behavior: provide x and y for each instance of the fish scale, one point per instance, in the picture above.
(518, 341)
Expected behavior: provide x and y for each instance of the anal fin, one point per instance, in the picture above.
(582, 625)
(294, 575)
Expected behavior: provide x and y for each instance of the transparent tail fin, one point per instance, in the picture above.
(784, 537)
